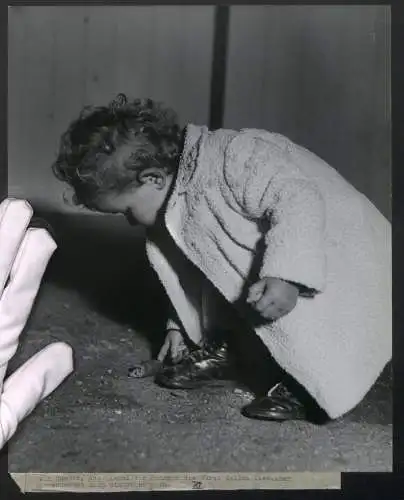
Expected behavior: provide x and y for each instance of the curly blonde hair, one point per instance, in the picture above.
(99, 131)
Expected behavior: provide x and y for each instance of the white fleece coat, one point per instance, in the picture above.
(236, 188)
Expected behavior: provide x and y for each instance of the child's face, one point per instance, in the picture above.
(139, 203)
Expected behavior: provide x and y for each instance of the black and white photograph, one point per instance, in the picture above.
(195, 248)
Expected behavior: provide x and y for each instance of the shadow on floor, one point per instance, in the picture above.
(104, 260)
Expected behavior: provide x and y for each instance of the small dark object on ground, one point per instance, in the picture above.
(147, 368)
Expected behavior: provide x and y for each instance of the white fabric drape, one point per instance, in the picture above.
(24, 256)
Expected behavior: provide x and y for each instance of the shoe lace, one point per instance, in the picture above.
(204, 351)
(279, 390)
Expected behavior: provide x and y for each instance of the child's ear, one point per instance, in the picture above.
(154, 176)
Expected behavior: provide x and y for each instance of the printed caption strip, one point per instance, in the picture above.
(99, 482)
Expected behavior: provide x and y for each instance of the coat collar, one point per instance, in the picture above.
(189, 157)
(187, 165)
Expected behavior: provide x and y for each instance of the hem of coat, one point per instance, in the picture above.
(334, 411)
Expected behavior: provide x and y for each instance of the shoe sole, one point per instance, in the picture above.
(272, 417)
(195, 385)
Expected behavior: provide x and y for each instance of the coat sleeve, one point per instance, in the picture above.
(172, 324)
(271, 189)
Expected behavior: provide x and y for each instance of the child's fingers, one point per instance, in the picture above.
(272, 312)
(163, 351)
(255, 292)
(178, 349)
(275, 310)
(267, 301)
(176, 342)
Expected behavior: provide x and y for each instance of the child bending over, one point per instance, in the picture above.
(248, 232)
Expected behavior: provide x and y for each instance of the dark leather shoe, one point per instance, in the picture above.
(202, 367)
(279, 404)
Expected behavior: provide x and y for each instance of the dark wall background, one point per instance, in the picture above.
(319, 74)
(61, 58)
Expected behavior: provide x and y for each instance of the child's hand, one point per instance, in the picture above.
(273, 298)
(174, 345)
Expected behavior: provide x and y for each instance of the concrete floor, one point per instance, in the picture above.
(101, 421)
